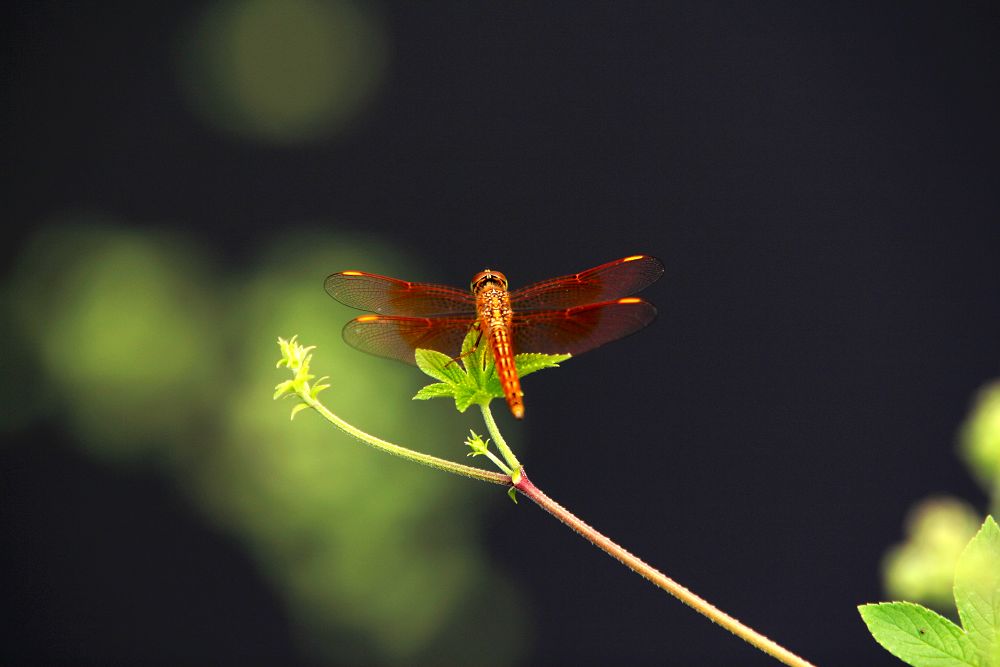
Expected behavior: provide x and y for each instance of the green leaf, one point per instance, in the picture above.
(436, 390)
(531, 362)
(475, 381)
(918, 636)
(318, 386)
(474, 354)
(470, 395)
(297, 409)
(977, 592)
(438, 366)
(284, 388)
(923, 638)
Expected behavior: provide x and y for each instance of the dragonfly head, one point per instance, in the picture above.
(481, 279)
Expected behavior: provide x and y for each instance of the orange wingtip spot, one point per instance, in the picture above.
(367, 318)
(633, 258)
(350, 273)
(630, 299)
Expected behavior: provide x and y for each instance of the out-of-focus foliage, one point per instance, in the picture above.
(118, 321)
(923, 566)
(980, 440)
(282, 71)
(148, 352)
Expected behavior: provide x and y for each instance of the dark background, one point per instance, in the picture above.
(820, 180)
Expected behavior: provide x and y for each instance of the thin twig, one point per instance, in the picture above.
(659, 579)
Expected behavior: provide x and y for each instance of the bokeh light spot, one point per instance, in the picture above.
(980, 439)
(922, 569)
(122, 326)
(282, 71)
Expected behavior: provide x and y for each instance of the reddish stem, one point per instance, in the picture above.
(661, 580)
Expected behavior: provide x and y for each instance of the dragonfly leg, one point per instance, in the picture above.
(475, 346)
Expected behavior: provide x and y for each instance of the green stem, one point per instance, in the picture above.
(505, 451)
(657, 578)
(297, 359)
(497, 462)
(403, 452)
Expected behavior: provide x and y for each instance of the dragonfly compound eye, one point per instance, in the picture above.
(487, 276)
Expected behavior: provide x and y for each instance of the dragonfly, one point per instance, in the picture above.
(571, 314)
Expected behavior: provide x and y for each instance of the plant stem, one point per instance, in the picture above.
(659, 579)
(403, 452)
(505, 451)
(497, 462)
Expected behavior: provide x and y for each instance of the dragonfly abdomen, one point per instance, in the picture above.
(503, 355)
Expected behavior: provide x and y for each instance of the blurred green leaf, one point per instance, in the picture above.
(980, 438)
(922, 568)
(124, 332)
(282, 71)
(297, 409)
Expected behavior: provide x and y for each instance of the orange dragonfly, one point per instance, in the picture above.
(567, 315)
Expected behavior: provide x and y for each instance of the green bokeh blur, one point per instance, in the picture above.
(980, 440)
(282, 71)
(149, 352)
(922, 567)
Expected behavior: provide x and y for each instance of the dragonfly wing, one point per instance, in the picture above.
(389, 296)
(398, 337)
(620, 278)
(580, 329)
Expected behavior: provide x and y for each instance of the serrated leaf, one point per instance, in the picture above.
(492, 386)
(918, 636)
(490, 376)
(474, 349)
(977, 592)
(526, 364)
(530, 362)
(439, 366)
(467, 396)
(436, 390)
(475, 381)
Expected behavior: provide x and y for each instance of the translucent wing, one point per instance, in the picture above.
(389, 296)
(582, 328)
(613, 280)
(398, 337)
